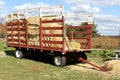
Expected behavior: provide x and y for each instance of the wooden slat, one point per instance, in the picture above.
(81, 32)
(52, 28)
(51, 21)
(53, 35)
(15, 23)
(33, 46)
(81, 26)
(81, 38)
(52, 48)
(9, 29)
(9, 35)
(22, 29)
(83, 43)
(22, 34)
(53, 42)
(15, 29)
(16, 40)
(9, 23)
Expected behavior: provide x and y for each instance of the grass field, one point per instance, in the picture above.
(32, 69)
(105, 42)
(25, 69)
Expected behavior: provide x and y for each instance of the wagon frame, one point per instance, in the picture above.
(60, 54)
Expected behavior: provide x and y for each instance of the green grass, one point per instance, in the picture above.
(25, 69)
(3, 46)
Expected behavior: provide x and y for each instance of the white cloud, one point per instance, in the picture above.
(107, 2)
(77, 2)
(85, 9)
(110, 20)
(82, 6)
(94, 2)
(2, 4)
(108, 24)
(28, 6)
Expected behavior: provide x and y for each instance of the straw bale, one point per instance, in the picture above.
(112, 65)
(75, 45)
(22, 38)
(33, 30)
(33, 21)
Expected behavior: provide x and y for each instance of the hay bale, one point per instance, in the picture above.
(33, 30)
(75, 45)
(112, 65)
(33, 21)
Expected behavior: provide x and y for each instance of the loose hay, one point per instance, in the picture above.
(2, 54)
(112, 65)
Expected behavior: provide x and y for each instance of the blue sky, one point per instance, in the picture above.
(106, 12)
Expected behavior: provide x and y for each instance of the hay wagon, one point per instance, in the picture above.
(43, 30)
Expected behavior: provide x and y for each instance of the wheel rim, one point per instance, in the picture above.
(18, 53)
(57, 60)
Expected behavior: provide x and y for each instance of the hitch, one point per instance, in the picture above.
(102, 69)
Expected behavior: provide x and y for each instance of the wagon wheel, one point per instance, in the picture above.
(59, 61)
(19, 54)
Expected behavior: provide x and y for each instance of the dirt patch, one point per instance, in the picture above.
(2, 54)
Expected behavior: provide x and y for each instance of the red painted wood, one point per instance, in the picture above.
(41, 33)
(51, 21)
(88, 34)
(87, 26)
(52, 48)
(81, 38)
(26, 25)
(15, 29)
(82, 32)
(52, 28)
(53, 35)
(52, 42)
(15, 23)
(64, 33)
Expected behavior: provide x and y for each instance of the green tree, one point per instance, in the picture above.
(94, 29)
(67, 29)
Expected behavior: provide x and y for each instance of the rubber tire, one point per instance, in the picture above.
(19, 54)
(62, 61)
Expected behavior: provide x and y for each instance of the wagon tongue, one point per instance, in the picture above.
(83, 60)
